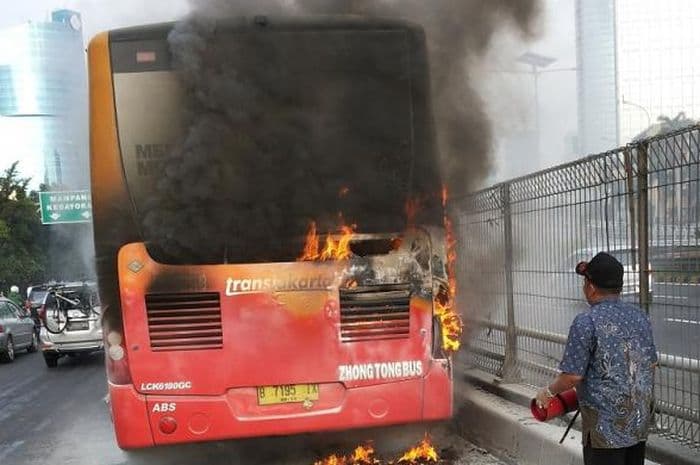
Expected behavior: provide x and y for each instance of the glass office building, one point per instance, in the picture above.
(43, 101)
(638, 60)
(597, 100)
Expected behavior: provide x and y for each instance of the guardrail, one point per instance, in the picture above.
(520, 240)
(673, 362)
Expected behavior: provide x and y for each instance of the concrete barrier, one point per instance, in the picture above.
(497, 418)
(508, 431)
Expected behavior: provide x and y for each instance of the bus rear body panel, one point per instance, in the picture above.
(205, 329)
(206, 418)
(292, 332)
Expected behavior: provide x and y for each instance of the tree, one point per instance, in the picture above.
(23, 242)
(665, 125)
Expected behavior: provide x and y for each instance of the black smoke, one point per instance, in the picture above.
(315, 128)
(459, 33)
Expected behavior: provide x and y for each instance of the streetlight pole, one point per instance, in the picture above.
(536, 80)
(536, 63)
(636, 105)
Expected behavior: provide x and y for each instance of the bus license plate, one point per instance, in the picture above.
(287, 393)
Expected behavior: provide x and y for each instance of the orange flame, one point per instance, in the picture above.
(363, 455)
(451, 250)
(451, 325)
(332, 460)
(412, 207)
(422, 453)
(311, 245)
(332, 250)
(449, 319)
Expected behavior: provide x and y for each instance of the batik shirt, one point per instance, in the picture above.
(612, 347)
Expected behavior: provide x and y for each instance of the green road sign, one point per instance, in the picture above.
(65, 207)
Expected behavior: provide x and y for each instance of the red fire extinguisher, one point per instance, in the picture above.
(559, 405)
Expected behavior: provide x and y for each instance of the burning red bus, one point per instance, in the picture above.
(269, 228)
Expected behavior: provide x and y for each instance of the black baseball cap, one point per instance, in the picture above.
(604, 271)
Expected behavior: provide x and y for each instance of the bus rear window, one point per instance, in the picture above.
(231, 154)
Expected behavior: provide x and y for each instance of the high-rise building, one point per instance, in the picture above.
(638, 60)
(597, 91)
(43, 100)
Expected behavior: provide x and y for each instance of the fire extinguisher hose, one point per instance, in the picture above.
(568, 428)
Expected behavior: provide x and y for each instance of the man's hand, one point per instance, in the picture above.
(543, 399)
(563, 382)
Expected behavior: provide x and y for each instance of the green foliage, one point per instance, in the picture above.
(23, 242)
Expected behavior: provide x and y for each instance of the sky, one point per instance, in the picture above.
(510, 97)
(97, 15)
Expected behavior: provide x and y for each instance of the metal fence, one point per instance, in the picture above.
(520, 242)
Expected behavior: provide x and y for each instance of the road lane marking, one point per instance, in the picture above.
(664, 283)
(680, 320)
(21, 386)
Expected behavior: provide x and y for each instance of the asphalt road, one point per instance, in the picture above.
(674, 312)
(59, 416)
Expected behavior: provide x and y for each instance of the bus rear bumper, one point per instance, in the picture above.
(143, 421)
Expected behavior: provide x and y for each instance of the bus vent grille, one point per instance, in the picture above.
(187, 321)
(375, 312)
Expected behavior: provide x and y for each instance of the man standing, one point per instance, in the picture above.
(610, 357)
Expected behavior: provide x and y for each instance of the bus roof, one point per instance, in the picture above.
(271, 23)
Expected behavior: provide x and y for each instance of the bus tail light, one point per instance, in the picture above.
(167, 425)
(117, 362)
(2, 329)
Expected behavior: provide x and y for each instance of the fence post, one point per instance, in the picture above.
(509, 372)
(643, 225)
(631, 206)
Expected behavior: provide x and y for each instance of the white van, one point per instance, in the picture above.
(81, 334)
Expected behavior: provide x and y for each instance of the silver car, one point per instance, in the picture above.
(16, 331)
(82, 334)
